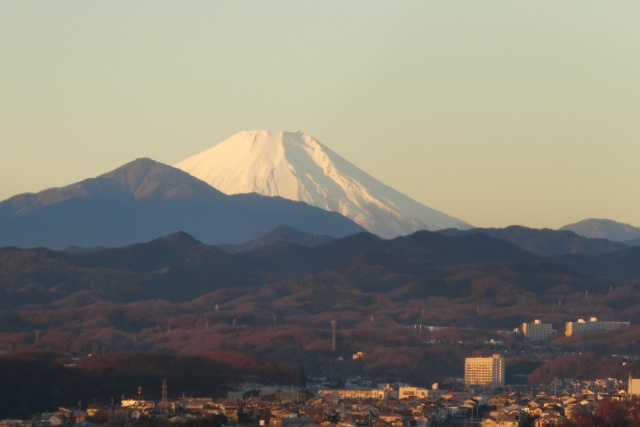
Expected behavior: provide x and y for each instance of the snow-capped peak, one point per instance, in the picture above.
(295, 166)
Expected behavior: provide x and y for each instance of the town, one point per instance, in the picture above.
(481, 398)
(478, 400)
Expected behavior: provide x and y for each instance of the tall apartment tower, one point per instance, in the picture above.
(536, 331)
(486, 371)
(634, 386)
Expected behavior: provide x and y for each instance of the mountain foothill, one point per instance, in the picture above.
(148, 261)
(276, 299)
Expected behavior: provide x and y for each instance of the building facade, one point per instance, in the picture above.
(376, 394)
(592, 324)
(537, 331)
(485, 371)
(634, 386)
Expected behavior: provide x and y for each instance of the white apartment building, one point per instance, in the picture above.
(376, 394)
(486, 371)
(537, 331)
(634, 386)
(592, 324)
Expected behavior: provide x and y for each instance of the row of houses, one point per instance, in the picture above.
(428, 407)
(545, 410)
(385, 406)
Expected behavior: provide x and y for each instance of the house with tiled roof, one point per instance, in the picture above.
(502, 420)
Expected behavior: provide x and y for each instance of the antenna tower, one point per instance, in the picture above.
(333, 335)
(164, 395)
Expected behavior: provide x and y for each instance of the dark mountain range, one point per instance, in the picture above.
(180, 268)
(623, 265)
(145, 199)
(176, 267)
(422, 247)
(605, 229)
(546, 242)
(632, 242)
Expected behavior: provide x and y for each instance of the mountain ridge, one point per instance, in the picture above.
(545, 242)
(606, 229)
(279, 235)
(145, 199)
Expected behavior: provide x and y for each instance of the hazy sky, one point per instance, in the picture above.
(495, 112)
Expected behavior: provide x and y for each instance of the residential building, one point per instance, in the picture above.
(505, 420)
(377, 394)
(487, 371)
(537, 331)
(408, 392)
(634, 386)
(592, 324)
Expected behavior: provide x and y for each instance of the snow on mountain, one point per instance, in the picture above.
(295, 166)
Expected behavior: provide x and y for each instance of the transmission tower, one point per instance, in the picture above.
(164, 396)
(333, 335)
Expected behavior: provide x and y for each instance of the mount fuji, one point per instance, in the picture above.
(295, 166)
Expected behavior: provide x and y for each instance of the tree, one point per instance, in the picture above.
(613, 413)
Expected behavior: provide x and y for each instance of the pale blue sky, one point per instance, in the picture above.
(495, 112)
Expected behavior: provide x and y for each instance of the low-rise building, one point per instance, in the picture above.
(592, 324)
(502, 420)
(377, 394)
(407, 392)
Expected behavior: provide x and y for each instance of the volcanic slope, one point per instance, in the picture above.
(295, 166)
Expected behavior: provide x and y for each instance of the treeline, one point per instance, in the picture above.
(612, 413)
(581, 366)
(43, 381)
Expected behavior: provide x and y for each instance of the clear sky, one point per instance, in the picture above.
(495, 112)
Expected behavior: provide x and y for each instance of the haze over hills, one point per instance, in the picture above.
(145, 199)
(605, 229)
(295, 166)
(546, 242)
